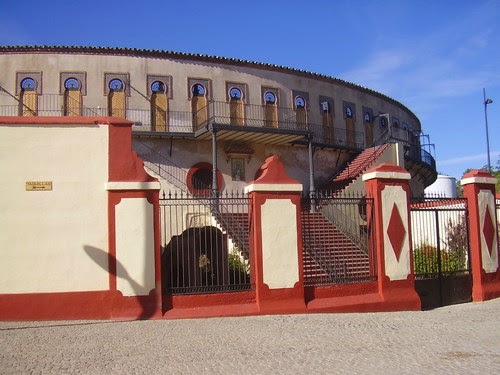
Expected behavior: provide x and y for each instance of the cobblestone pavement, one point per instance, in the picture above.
(460, 339)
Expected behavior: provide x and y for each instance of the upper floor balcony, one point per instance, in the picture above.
(232, 121)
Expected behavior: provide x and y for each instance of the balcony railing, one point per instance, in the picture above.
(225, 114)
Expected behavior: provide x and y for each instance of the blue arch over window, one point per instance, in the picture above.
(158, 87)
(198, 89)
(116, 85)
(28, 84)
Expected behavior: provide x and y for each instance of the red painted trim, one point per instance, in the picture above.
(124, 164)
(273, 172)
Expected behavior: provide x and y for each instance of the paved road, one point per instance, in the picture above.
(460, 339)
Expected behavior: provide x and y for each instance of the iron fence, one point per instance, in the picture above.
(440, 237)
(337, 241)
(205, 243)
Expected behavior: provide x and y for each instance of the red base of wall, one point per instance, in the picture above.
(77, 305)
(488, 288)
(361, 298)
(112, 305)
(210, 305)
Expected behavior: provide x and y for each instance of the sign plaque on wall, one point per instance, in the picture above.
(38, 185)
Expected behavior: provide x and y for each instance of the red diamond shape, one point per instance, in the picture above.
(396, 231)
(488, 230)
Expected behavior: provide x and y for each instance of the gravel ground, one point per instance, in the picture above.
(459, 339)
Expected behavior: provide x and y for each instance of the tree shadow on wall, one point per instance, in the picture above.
(110, 264)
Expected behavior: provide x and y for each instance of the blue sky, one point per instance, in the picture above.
(435, 57)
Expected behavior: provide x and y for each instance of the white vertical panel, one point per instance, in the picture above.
(279, 244)
(135, 268)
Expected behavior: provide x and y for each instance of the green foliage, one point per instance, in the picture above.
(239, 268)
(453, 253)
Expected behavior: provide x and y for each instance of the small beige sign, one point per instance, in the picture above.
(38, 185)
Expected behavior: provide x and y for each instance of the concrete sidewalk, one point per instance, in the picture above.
(460, 339)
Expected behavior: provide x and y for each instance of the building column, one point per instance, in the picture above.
(276, 240)
(479, 189)
(388, 185)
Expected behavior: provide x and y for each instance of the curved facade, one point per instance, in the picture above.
(194, 112)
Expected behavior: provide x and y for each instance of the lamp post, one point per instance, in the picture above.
(486, 102)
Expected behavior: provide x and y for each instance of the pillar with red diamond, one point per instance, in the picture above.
(479, 189)
(388, 184)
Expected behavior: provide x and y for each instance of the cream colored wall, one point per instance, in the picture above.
(45, 234)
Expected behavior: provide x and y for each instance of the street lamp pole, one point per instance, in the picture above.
(486, 102)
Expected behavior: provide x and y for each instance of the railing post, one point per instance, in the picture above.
(276, 240)
(215, 186)
(389, 187)
(312, 188)
(479, 189)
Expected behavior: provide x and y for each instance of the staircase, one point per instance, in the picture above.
(237, 227)
(357, 166)
(329, 256)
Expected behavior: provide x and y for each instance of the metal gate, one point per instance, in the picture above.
(440, 239)
(205, 243)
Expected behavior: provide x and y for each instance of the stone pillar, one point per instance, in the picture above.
(479, 189)
(389, 187)
(276, 240)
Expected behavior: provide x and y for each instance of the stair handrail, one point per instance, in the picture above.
(347, 225)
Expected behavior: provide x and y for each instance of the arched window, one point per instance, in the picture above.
(235, 94)
(72, 97)
(199, 179)
(236, 107)
(198, 90)
(116, 98)
(300, 112)
(348, 112)
(367, 117)
(270, 98)
(28, 101)
(199, 105)
(159, 107)
(300, 102)
(271, 110)
(116, 85)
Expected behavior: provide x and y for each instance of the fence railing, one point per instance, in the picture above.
(198, 254)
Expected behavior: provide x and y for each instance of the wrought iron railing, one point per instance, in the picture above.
(255, 116)
(349, 214)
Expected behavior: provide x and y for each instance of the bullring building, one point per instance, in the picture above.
(205, 124)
